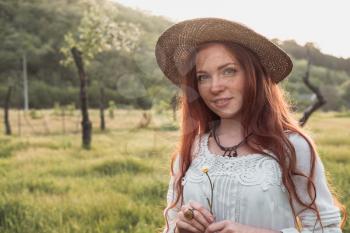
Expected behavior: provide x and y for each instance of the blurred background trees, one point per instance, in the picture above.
(37, 29)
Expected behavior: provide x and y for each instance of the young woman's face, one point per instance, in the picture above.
(220, 76)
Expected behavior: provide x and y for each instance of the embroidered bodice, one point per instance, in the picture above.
(253, 169)
(249, 189)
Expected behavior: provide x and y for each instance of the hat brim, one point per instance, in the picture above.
(177, 43)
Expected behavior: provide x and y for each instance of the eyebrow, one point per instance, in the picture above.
(220, 67)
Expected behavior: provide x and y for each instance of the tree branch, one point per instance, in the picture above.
(320, 99)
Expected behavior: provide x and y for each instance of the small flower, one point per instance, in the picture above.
(205, 169)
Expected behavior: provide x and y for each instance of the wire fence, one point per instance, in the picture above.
(51, 122)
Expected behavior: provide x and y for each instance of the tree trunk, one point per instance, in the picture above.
(86, 123)
(102, 108)
(6, 109)
(320, 100)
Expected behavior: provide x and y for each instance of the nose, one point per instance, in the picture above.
(217, 84)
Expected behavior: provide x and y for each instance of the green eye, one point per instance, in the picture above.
(201, 77)
(229, 71)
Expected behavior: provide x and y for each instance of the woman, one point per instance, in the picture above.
(243, 163)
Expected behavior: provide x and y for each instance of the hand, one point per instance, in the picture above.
(227, 226)
(202, 218)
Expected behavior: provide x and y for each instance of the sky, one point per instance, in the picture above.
(326, 23)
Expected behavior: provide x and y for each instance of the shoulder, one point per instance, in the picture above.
(299, 142)
(196, 145)
(303, 152)
(194, 152)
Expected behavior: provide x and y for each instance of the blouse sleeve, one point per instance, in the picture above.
(329, 212)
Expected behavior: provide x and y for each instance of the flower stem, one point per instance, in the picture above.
(212, 189)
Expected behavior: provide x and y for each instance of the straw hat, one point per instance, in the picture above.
(177, 44)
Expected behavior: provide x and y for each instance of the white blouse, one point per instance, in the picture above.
(249, 190)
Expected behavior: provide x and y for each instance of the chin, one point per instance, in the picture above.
(228, 115)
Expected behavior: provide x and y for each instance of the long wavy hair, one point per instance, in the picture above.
(267, 114)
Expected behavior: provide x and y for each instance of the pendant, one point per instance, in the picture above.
(231, 153)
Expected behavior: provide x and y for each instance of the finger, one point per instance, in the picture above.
(201, 218)
(193, 222)
(198, 216)
(209, 217)
(186, 226)
(185, 207)
(216, 227)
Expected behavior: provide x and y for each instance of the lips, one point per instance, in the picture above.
(222, 102)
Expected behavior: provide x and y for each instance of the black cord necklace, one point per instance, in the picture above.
(231, 151)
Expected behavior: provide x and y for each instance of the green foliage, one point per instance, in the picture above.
(333, 98)
(343, 113)
(330, 82)
(131, 79)
(346, 93)
(44, 187)
(98, 32)
(70, 109)
(12, 214)
(57, 109)
(310, 50)
(162, 106)
(65, 110)
(34, 114)
(111, 108)
(144, 103)
(111, 168)
(169, 127)
(9, 147)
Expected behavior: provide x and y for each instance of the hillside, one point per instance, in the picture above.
(36, 29)
(310, 51)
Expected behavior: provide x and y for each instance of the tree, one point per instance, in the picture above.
(345, 87)
(97, 33)
(6, 111)
(320, 99)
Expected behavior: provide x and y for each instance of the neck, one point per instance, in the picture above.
(230, 128)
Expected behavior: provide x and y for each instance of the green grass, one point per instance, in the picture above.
(48, 184)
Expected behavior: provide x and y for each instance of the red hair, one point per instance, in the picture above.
(267, 115)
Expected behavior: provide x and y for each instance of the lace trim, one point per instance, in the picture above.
(252, 169)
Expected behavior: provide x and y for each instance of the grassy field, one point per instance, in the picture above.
(49, 184)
